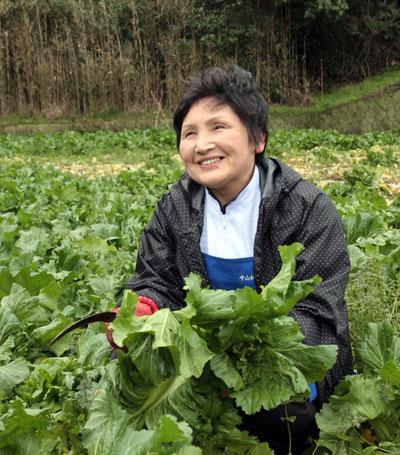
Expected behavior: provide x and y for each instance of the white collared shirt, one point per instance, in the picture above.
(231, 235)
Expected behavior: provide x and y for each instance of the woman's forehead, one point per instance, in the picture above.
(209, 106)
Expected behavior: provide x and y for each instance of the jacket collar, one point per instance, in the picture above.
(274, 177)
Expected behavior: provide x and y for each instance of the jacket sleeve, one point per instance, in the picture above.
(323, 315)
(156, 274)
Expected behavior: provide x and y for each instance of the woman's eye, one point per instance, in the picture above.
(188, 134)
(219, 127)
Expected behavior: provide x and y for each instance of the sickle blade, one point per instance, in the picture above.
(106, 316)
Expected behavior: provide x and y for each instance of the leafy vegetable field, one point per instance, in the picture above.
(72, 207)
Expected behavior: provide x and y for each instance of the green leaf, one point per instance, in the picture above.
(162, 355)
(261, 449)
(194, 353)
(171, 436)
(93, 349)
(189, 350)
(93, 246)
(270, 381)
(33, 240)
(62, 345)
(108, 425)
(50, 377)
(24, 306)
(278, 367)
(297, 291)
(22, 261)
(148, 401)
(104, 286)
(8, 234)
(33, 282)
(124, 323)
(362, 225)
(50, 294)
(111, 429)
(282, 332)
(313, 361)
(69, 193)
(5, 281)
(9, 324)
(356, 400)
(153, 365)
(281, 294)
(5, 350)
(223, 368)
(46, 332)
(379, 351)
(13, 374)
(19, 421)
(341, 444)
(31, 443)
(207, 306)
(391, 372)
(105, 231)
(280, 284)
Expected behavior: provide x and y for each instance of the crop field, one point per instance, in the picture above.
(72, 207)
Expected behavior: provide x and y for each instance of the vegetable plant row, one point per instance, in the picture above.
(67, 248)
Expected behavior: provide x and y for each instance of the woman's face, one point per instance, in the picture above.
(216, 149)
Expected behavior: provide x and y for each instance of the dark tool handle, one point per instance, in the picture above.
(106, 316)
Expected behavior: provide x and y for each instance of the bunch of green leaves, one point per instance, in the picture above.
(181, 362)
(363, 415)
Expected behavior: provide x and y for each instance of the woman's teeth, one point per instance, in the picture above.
(210, 161)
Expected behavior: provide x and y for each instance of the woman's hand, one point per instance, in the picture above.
(144, 307)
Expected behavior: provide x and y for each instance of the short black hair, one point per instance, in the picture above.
(234, 87)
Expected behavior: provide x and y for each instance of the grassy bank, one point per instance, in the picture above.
(371, 105)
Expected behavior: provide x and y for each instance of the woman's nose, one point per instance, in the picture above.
(203, 143)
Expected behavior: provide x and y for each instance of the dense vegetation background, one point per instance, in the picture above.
(60, 57)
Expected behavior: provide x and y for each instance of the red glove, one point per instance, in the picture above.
(144, 307)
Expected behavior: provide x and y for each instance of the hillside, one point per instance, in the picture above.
(372, 105)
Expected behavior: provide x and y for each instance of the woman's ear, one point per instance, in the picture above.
(261, 144)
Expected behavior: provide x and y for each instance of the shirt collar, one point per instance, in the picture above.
(246, 193)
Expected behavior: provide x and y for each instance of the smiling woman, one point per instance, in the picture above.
(225, 220)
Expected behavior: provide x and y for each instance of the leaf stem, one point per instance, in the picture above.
(288, 428)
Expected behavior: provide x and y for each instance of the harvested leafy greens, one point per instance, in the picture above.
(180, 364)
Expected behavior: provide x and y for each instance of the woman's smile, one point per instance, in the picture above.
(208, 161)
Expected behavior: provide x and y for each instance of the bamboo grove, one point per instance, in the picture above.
(65, 57)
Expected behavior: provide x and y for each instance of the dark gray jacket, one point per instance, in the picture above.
(291, 210)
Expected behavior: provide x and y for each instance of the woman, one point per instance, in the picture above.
(224, 220)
